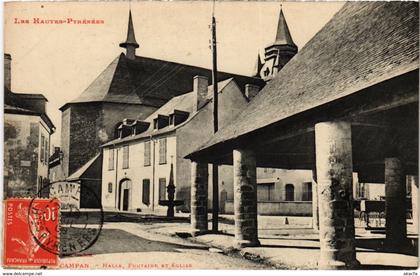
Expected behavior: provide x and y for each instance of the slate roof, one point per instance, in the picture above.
(184, 102)
(148, 81)
(16, 103)
(83, 169)
(365, 43)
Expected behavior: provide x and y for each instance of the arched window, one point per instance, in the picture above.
(290, 192)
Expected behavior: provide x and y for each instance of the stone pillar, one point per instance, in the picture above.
(395, 202)
(199, 197)
(245, 198)
(334, 167)
(315, 210)
(415, 202)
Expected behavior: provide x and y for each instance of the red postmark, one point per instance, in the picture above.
(31, 231)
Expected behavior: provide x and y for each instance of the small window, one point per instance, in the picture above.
(110, 159)
(147, 155)
(162, 188)
(125, 157)
(146, 191)
(162, 151)
(290, 192)
(109, 187)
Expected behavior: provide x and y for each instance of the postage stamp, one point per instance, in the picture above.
(31, 226)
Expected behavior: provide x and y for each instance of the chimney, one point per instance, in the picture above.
(200, 87)
(7, 71)
(251, 91)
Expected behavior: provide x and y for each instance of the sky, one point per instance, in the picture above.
(61, 60)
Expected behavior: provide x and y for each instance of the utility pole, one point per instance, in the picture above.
(215, 215)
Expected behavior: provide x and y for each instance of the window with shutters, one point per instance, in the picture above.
(46, 151)
(147, 155)
(162, 151)
(110, 159)
(265, 192)
(41, 153)
(146, 191)
(126, 157)
(307, 191)
(162, 188)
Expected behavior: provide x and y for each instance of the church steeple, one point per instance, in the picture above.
(280, 52)
(130, 44)
(283, 36)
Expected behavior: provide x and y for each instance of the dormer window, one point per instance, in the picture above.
(178, 117)
(130, 127)
(160, 122)
(155, 123)
(124, 131)
(140, 126)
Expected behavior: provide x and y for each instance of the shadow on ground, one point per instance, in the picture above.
(384, 267)
(95, 217)
(119, 241)
(379, 245)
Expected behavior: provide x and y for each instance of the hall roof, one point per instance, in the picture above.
(365, 43)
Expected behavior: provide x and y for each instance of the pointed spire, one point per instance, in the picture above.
(281, 51)
(283, 36)
(130, 44)
(258, 66)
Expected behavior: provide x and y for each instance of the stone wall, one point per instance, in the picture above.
(84, 140)
(86, 126)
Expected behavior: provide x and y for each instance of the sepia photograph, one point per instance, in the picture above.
(210, 135)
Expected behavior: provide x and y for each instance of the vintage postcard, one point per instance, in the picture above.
(185, 135)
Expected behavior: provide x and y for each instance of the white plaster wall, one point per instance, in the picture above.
(136, 172)
(198, 131)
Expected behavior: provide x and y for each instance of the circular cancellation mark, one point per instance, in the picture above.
(77, 230)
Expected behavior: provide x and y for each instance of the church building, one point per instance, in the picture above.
(131, 87)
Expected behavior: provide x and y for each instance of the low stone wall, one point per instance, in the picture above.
(279, 208)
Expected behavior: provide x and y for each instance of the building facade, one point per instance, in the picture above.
(27, 131)
(137, 165)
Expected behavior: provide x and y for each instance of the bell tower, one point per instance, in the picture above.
(280, 52)
(130, 44)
